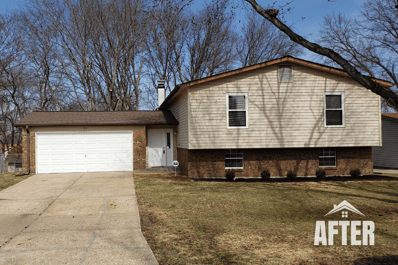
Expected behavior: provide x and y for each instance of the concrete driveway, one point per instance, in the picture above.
(79, 218)
(385, 171)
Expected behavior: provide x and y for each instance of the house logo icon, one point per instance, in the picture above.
(344, 205)
(362, 232)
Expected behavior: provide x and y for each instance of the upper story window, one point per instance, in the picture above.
(237, 110)
(285, 73)
(334, 109)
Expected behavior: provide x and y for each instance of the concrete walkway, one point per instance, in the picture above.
(80, 218)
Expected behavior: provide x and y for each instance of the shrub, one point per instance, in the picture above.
(320, 173)
(230, 175)
(291, 174)
(265, 174)
(355, 172)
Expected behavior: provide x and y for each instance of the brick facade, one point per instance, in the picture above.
(352, 157)
(139, 150)
(305, 161)
(182, 158)
(24, 153)
(32, 153)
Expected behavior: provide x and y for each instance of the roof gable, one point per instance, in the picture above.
(287, 59)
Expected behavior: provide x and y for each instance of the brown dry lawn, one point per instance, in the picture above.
(210, 222)
(9, 179)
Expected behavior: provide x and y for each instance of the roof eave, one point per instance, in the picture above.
(92, 124)
(389, 118)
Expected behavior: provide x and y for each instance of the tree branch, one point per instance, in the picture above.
(367, 82)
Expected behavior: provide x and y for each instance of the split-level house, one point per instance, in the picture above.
(281, 115)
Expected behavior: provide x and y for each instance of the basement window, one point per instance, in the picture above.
(233, 158)
(327, 157)
(285, 74)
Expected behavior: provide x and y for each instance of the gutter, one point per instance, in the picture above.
(28, 148)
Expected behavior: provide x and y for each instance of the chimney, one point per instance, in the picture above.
(160, 92)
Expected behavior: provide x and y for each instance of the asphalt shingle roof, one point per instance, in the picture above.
(59, 118)
(391, 115)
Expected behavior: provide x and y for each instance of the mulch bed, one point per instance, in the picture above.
(166, 176)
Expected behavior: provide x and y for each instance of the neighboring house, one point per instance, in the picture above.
(6, 148)
(285, 114)
(16, 149)
(13, 159)
(386, 156)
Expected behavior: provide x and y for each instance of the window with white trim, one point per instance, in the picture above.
(285, 73)
(233, 158)
(327, 157)
(237, 110)
(334, 109)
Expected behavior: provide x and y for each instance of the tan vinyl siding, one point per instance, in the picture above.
(387, 155)
(179, 108)
(282, 114)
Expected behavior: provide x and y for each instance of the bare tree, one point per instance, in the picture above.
(270, 13)
(47, 83)
(261, 41)
(210, 43)
(165, 45)
(98, 48)
(70, 25)
(118, 52)
(370, 42)
(14, 87)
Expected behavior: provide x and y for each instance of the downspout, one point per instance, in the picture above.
(28, 148)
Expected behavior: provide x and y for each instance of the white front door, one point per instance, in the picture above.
(160, 147)
(84, 152)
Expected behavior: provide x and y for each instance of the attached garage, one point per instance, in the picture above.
(386, 156)
(84, 152)
(68, 142)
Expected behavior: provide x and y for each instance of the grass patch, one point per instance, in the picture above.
(9, 179)
(198, 222)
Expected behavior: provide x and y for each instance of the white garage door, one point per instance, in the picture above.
(84, 152)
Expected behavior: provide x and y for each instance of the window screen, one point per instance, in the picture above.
(334, 110)
(285, 73)
(327, 157)
(237, 110)
(233, 158)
